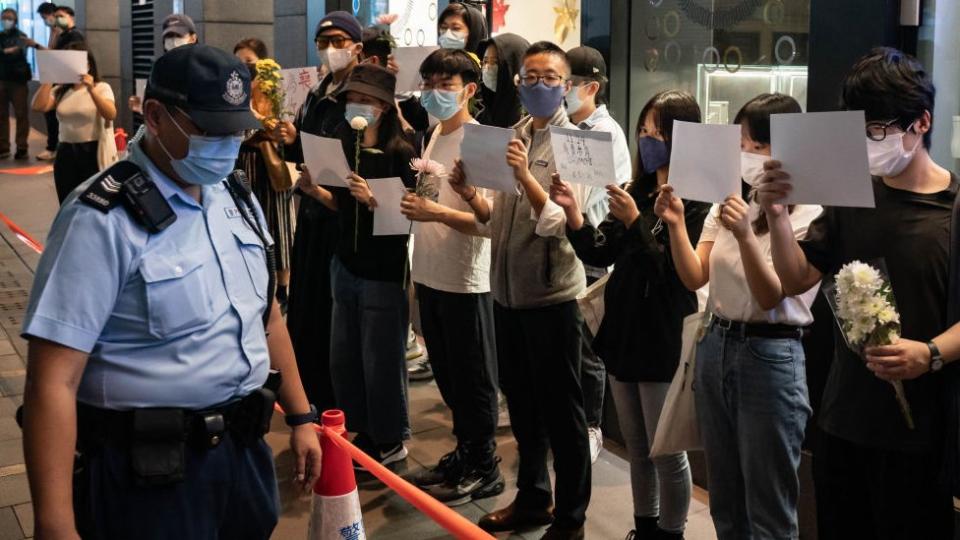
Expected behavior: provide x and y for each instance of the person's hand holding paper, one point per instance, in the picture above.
(705, 161)
(583, 157)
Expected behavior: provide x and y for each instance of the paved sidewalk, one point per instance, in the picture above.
(30, 201)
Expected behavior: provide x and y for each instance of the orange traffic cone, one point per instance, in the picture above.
(336, 513)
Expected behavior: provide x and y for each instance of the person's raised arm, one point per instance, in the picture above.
(106, 108)
(761, 277)
(43, 100)
(517, 160)
(796, 273)
(693, 266)
(306, 186)
(50, 434)
(470, 194)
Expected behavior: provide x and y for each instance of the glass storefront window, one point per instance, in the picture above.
(938, 43)
(724, 52)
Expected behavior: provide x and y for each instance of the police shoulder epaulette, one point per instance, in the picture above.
(105, 192)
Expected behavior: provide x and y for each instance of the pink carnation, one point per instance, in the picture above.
(387, 18)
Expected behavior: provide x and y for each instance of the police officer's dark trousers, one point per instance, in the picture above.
(228, 492)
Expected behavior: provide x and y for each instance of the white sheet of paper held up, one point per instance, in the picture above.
(387, 219)
(325, 160)
(61, 66)
(583, 157)
(484, 155)
(141, 88)
(409, 60)
(825, 154)
(705, 161)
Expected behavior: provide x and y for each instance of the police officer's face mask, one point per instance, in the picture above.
(209, 159)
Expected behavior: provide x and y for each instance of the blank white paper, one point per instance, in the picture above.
(583, 157)
(705, 161)
(61, 67)
(387, 219)
(825, 154)
(408, 59)
(484, 155)
(325, 160)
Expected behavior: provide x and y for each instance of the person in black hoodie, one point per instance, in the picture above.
(370, 308)
(310, 302)
(14, 74)
(646, 302)
(461, 26)
(502, 58)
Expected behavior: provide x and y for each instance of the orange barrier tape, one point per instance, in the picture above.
(22, 234)
(454, 523)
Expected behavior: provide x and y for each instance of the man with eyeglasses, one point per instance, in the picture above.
(338, 39)
(535, 279)
(152, 336)
(874, 475)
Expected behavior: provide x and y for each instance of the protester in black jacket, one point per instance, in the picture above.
(502, 58)
(14, 74)
(645, 304)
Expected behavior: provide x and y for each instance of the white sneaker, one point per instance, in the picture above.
(414, 351)
(47, 155)
(503, 414)
(596, 442)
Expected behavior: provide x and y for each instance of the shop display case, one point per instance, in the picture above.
(722, 92)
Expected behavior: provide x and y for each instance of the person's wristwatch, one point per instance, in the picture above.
(294, 420)
(936, 359)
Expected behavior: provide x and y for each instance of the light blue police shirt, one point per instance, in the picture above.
(169, 320)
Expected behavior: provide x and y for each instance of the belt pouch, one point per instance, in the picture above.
(157, 446)
(252, 418)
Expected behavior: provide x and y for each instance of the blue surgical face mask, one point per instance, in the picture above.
(209, 159)
(574, 103)
(367, 112)
(442, 104)
(654, 154)
(8, 24)
(541, 100)
(452, 40)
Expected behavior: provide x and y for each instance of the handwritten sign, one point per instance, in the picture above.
(583, 157)
(297, 83)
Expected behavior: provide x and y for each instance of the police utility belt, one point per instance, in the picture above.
(158, 438)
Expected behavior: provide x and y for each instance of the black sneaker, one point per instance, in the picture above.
(448, 467)
(384, 454)
(4, 155)
(21, 155)
(474, 484)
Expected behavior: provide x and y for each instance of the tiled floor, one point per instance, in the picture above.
(31, 202)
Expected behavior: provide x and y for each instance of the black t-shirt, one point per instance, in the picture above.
(377, 258)
(67, 37)
(14, 66)
(910, 233)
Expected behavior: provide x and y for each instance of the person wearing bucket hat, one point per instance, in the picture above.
(368, 272)
(309, 305)
(148, 333)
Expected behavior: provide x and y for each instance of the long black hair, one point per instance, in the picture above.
(472, 18)
(93, 71)
(755, 115)
(666, 107)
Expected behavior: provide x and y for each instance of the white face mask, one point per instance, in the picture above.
(172, 42)
(490, 77)
(336, 59)
(751, 167)
(888, 157)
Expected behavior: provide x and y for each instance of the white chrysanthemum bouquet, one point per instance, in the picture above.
(866, 310)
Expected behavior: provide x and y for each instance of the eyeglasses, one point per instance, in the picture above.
(878, 131)
(338, 42)
(445, 85)
(550, 79)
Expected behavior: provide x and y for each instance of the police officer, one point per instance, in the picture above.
(149, 351)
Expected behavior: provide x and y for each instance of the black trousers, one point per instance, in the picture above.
(53, 129)
(538, 351)
(75, 163)
(14, 93)
(229, 491)
(458, 330)
(869, 493)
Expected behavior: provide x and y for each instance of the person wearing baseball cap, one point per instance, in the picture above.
(178, 30)
(148, 333)
(338, 39)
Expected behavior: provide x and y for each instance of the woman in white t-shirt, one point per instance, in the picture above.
(84, 109)
(752, 402)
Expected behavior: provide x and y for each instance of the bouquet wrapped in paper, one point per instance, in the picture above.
(862, 301)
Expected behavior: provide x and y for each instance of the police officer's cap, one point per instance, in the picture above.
(210, 85)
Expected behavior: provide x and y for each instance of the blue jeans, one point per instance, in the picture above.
(368, 341)
(752, 406)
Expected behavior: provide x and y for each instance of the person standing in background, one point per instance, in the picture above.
(178, 30)
(502, 57)
(260, 159)
(63, 33)
(83, 109)
(586, 109)
(338, 39)
(14, 74)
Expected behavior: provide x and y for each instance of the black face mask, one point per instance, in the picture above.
(252, 67)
